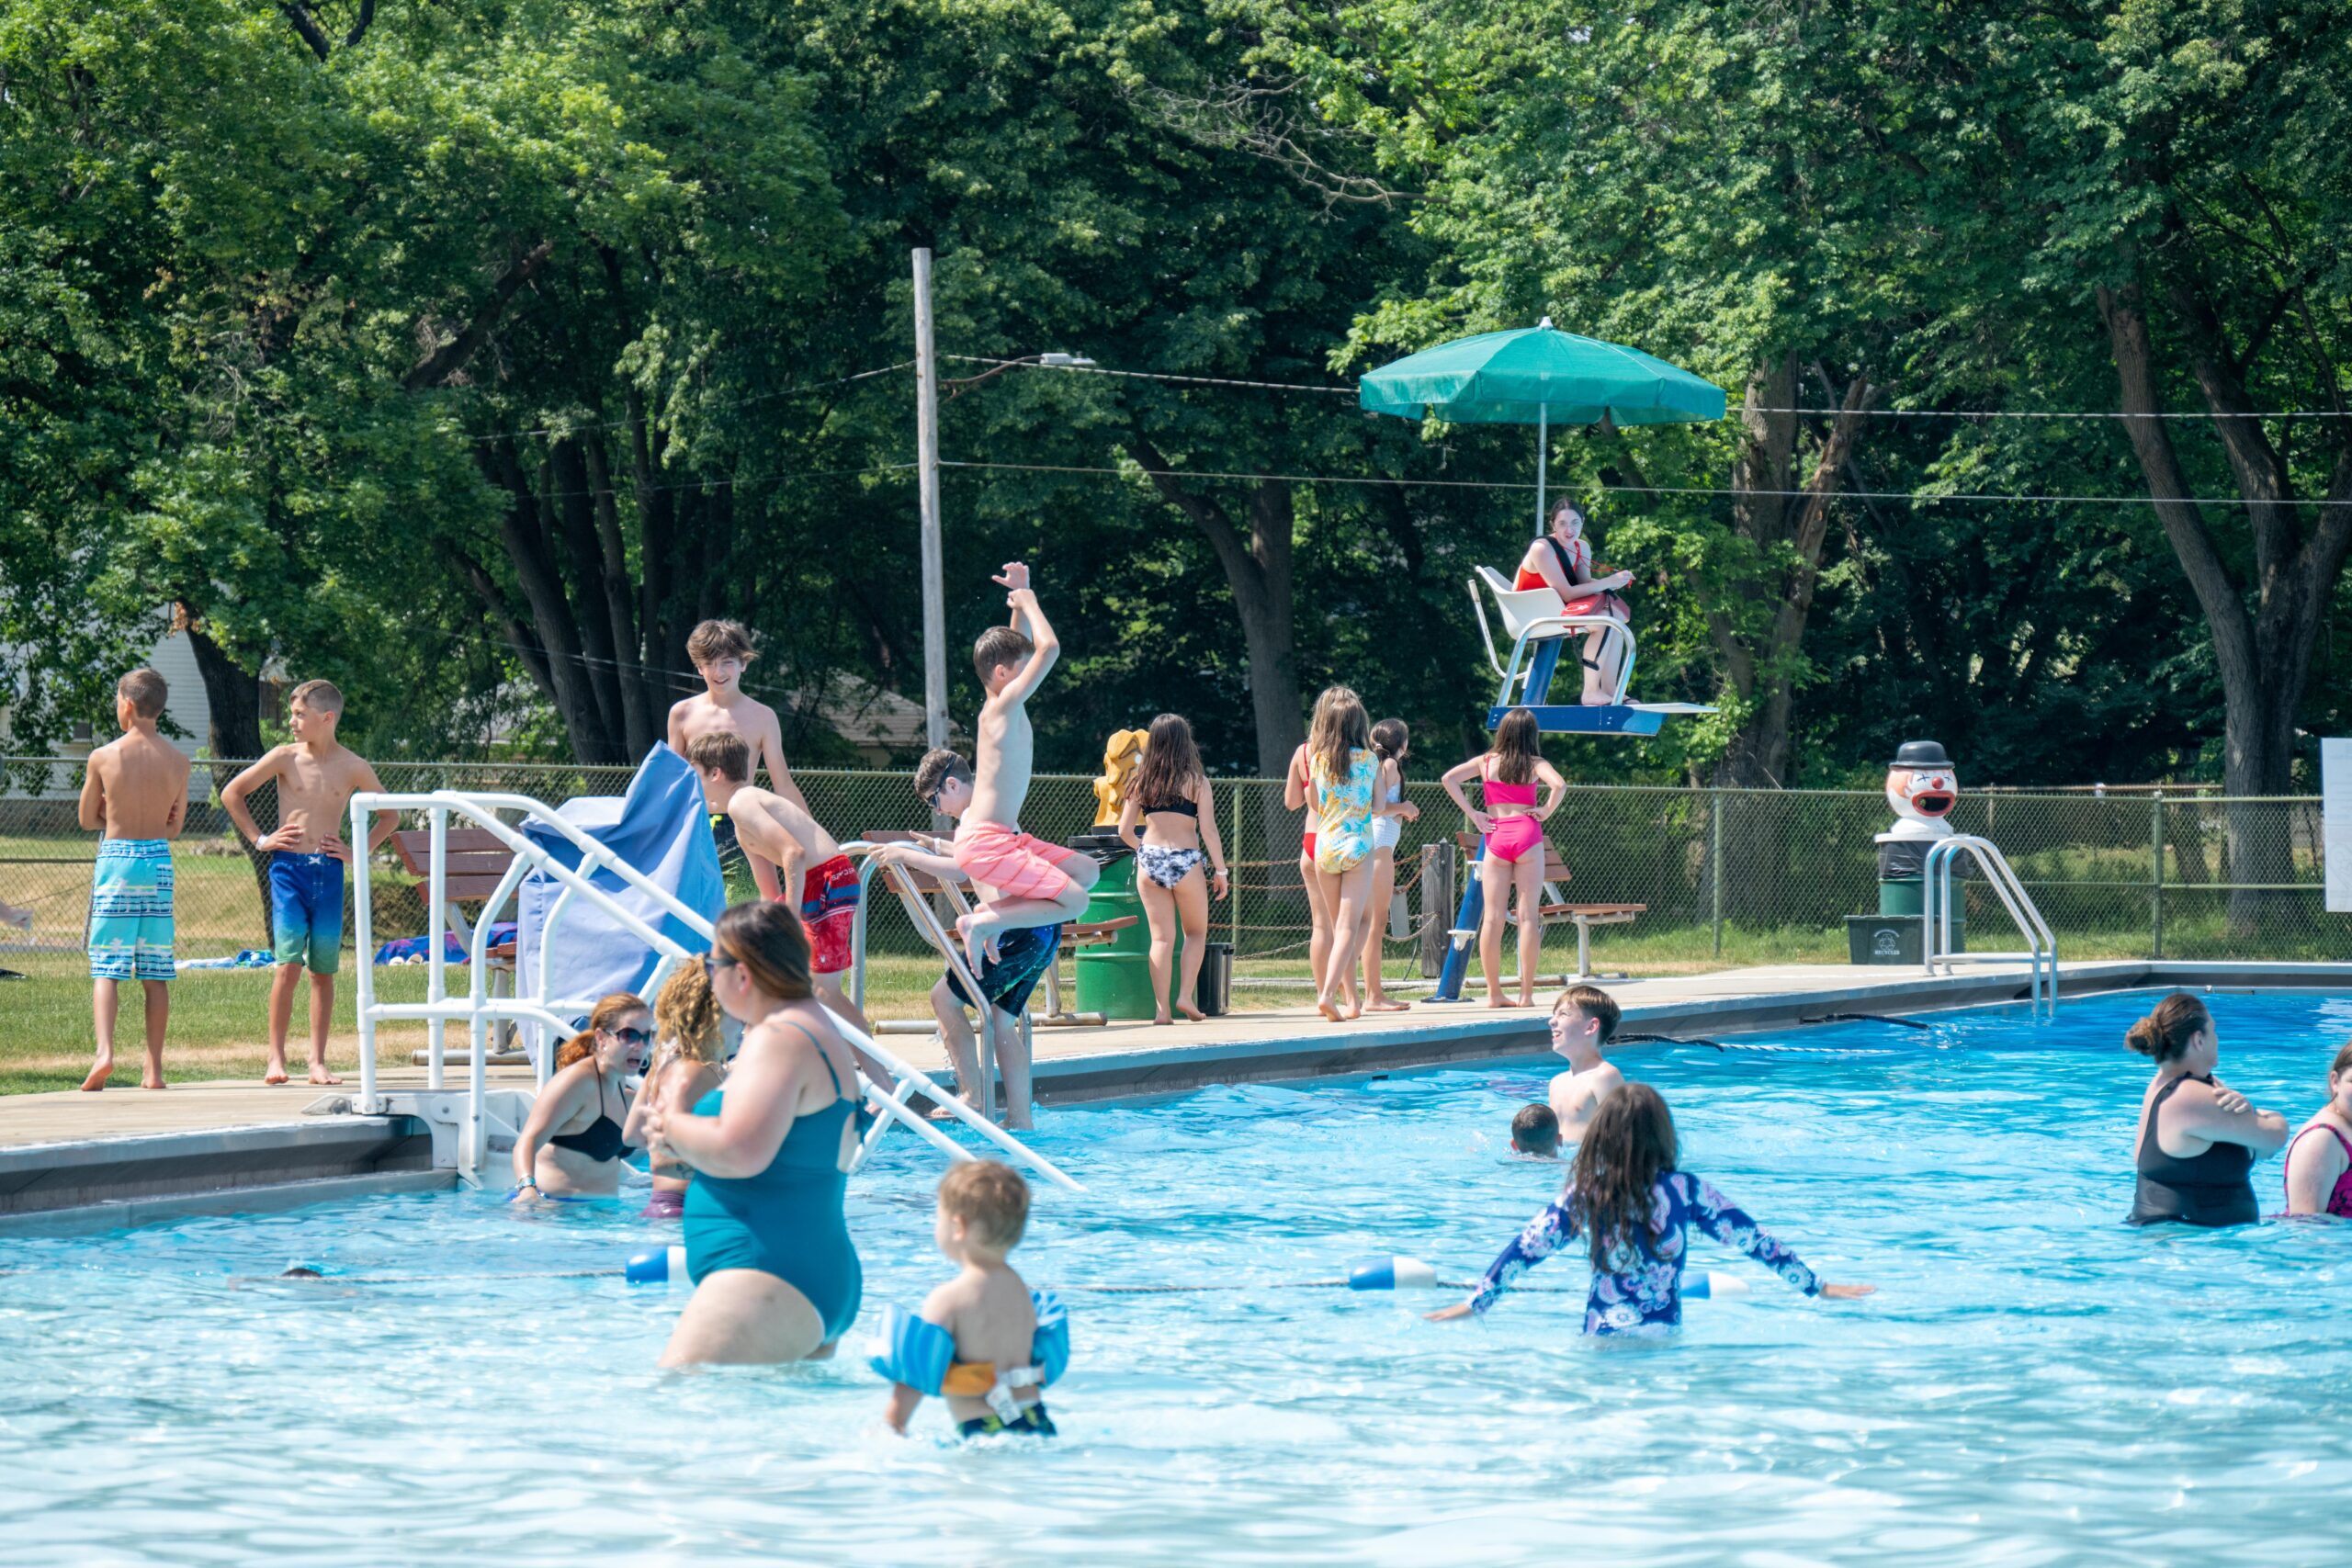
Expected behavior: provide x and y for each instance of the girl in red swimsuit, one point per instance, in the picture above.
(2319, 1159)
(1562, 561)
(1514, 825)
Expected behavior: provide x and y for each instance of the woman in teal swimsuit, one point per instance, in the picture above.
(777, 1277)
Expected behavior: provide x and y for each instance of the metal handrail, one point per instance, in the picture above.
(1935, 907)
(478, 1006)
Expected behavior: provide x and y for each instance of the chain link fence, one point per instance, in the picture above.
(1729, 876)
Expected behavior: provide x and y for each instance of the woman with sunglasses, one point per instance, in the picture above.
(571, 1146)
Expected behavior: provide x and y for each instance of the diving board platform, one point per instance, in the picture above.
(1611, 719)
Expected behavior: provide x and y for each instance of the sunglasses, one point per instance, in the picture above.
(720, 961)
(631, 1036)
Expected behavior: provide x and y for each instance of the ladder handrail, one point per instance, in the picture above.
(1936, 907)
(477, 1007)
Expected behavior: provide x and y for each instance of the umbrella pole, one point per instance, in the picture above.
(1542, 455)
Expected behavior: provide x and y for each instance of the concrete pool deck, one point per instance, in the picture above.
(126, 1156)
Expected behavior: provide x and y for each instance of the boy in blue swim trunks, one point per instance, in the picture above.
(316, 777)
(1024, 953)
(135, 791)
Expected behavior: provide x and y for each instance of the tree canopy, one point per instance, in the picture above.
(468, 352)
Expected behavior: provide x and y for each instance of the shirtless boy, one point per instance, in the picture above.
(720, 650)
(316, 776)
(812, 873)
(1038, 883)
(1582, 1021)
(135, 791)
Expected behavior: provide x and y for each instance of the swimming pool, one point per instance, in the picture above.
(2034, 1382)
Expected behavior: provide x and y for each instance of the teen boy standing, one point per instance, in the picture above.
(316, 776)
(135, 793)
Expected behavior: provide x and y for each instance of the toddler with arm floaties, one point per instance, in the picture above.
(985, 1341)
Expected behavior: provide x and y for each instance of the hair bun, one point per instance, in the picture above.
(2145, 1037)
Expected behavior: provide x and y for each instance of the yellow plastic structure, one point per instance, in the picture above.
(1121, 755)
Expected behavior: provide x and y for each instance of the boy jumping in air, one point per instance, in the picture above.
(720, 649)
(135, 791)
(1038, 883)
(316, 777)
(812, 873)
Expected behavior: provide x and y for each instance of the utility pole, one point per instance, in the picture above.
(935, 571)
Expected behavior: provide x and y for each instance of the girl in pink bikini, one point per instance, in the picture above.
(2319, 1159)
(1512, 824)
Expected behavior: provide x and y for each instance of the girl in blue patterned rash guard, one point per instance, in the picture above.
(1635, 1210)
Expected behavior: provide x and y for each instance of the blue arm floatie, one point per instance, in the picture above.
(913, 1350)
(1050, 1348)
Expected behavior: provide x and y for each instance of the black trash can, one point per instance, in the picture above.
(1214, 995)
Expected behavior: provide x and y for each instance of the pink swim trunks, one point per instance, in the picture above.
(1017, 865)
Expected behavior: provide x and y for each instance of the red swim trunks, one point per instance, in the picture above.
(1017, 865)
(829, 909)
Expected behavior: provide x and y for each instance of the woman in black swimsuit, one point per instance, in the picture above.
(571, 1146)
(2199, 1138)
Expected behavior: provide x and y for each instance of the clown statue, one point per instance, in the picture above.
(1922, 787)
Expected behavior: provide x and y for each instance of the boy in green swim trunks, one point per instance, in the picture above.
(316, 777)
(135, 793)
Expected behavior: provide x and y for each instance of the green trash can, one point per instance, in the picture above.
(1114, 979)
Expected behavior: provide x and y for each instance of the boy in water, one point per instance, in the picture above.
(1037, 884)
(812, 875)
(1535, 1131)
(987, 1308)
(1022, 956)
(1582, 1020)
(720, 650)
(316, 776)
(135, 793)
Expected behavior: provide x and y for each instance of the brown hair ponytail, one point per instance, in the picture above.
(607, 1013)
(2165, 1034)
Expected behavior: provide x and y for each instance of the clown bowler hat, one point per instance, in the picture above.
(1921, 754)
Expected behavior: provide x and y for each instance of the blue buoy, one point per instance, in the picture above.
(657, 1267)
(1391, 1272)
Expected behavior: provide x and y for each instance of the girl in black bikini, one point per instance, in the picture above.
(571, 1146)
(1170, 821)
(2199, 1138)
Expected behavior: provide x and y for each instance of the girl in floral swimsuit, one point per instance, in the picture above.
(1635, 1209)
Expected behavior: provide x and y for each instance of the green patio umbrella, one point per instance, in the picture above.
(1539, 376)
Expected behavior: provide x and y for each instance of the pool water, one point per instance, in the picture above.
(2034, 1382)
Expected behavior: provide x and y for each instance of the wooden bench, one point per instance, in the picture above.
(1583, 916)
(474, 863)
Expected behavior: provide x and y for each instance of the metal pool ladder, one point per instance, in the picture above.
(1937, 905)
(468, 1123)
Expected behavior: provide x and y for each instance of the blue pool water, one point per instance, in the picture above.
(2033, 1383)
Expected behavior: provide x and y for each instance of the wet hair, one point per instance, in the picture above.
(998, 647)
(1594, 1003)
(935, 769)
(713, 641)
(1519, 746)
(1536, 1130)
(723, 750)
(605, 1015)
(319, 696)
(2165, 1034)
(767, 939)
(992, 1199)
(1340, 729)
(1627, 1146)
(686, 1014)
(1171, 763)
(1389, 739)
(147, 691)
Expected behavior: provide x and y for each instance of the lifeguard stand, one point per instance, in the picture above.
(1538, 631)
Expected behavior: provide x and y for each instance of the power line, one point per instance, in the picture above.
(1728, 413)
(1632, 490)
(732, 403)
(742, 482)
